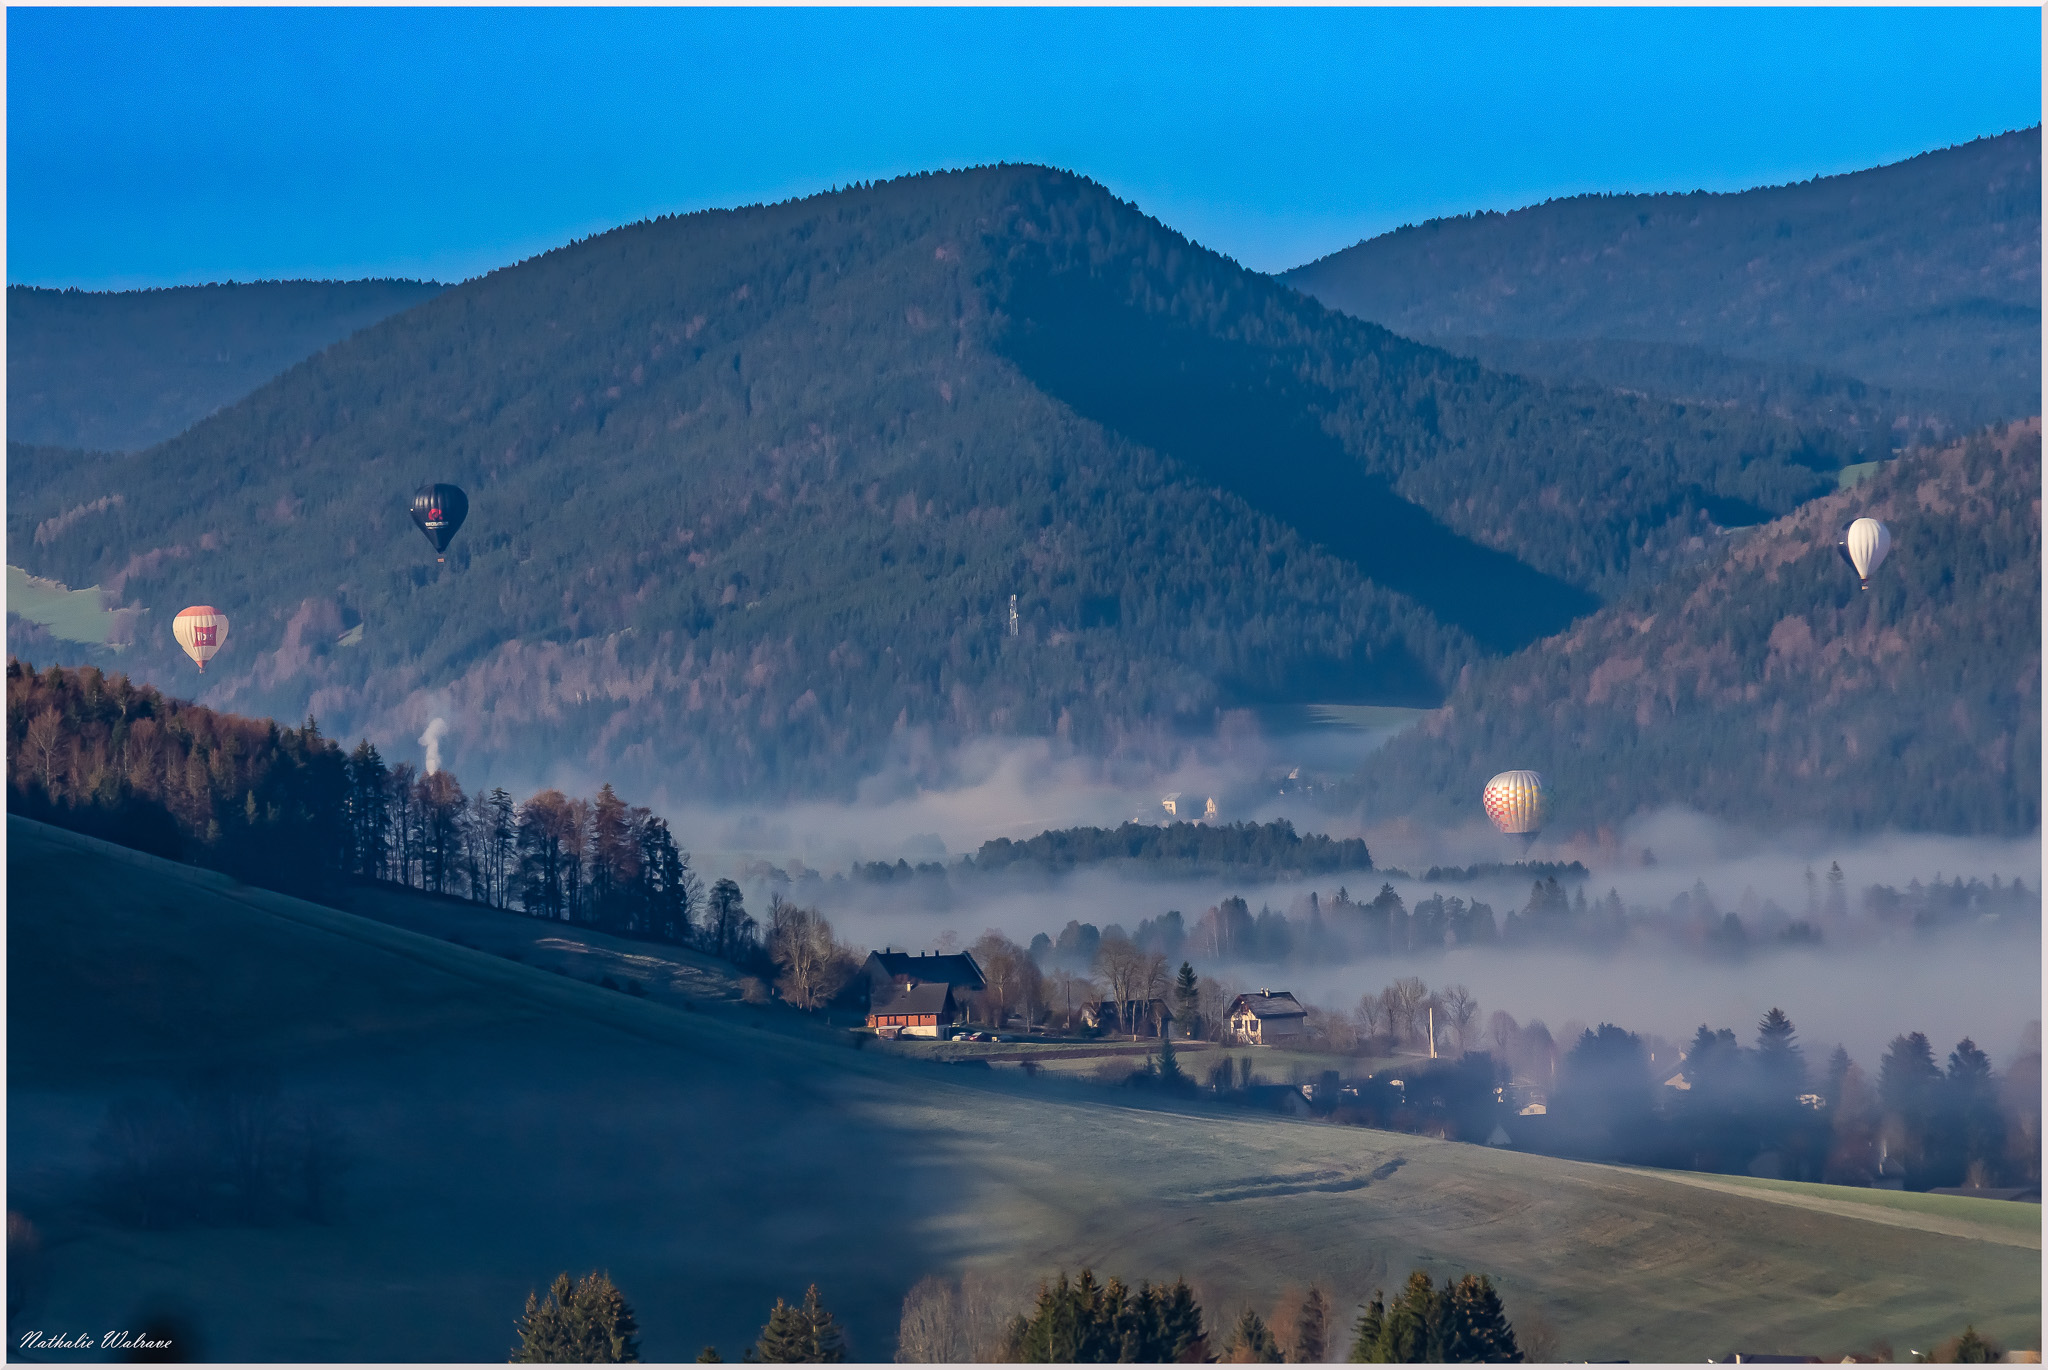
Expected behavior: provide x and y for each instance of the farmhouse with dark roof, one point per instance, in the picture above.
(919, 996)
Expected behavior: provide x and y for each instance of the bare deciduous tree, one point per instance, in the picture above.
(1502, 1032)
(1007, 970)
(1128, 971)
(1404, 1000)
(44, 733)
(1462, 1009)
(812, 963)
(1214, 998)
(1372, 1014)
(956, 1324)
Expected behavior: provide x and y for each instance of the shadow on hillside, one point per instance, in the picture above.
(1234, 415)
(464, 1126)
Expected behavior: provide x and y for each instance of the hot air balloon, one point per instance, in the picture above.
(1515, 802)
(1864, 545)
(201, 630)
(439, 511)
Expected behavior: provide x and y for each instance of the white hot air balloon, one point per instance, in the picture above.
(1516, 803)
(1864, 545)
(201, 630)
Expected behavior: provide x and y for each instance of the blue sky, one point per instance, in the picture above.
(159, 147)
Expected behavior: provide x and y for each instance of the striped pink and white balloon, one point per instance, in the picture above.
(201, 630)
(1515, 802)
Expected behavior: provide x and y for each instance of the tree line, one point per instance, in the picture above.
(286, 808)
(1089, 1321)
(1710, 1103)
(1083, 1321)
(1181, 848)
(1922, 1123)
(1318, 929)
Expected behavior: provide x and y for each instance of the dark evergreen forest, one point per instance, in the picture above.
(1272, 849)
(1763, 685)
(1808, 394)
(1905, 297)
(288, 809)
(751, 491)
(122, 370)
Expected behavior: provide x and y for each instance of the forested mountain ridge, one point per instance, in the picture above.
(1922, 277)
(1764, 686)
(120, 370)
(750, 491)
(1877, 417)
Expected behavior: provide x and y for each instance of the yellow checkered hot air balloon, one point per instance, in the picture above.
(1516, 803)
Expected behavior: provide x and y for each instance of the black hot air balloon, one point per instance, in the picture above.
(439, 511)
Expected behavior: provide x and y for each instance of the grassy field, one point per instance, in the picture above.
(504, 1120)
(1854, 474)
(1365, 716)
(73, 615)
(1990, 1219)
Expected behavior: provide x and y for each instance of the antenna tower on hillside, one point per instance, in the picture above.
(1013, 616)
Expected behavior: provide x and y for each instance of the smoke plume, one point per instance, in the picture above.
(431, 740)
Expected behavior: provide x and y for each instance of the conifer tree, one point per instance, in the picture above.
(1187, 1001)
(1778, 1055)
(1463, 1322)
(1478, 1326)
(827, 1341)
(1090, 1323)
(785, 1337)
(1179, 1336)
(585, 1323)
(1251, 1342)
(1409, 1328)
(1838, 894)
(1071, 1323)
(1310, 1329)
(805, 1334)
(1170, 1073)
(1368, 1341)
(1972, 1349)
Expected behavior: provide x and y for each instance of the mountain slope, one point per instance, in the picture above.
(751, 491)
(1880, 417)
(121, 370)
(503, 1123)
(1764, 686)
(1923, 276)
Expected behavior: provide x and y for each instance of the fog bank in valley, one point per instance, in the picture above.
(1869, 980)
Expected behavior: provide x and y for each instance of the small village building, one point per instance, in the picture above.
(914, 1011)
(1145, 1018)
(919, 996)
(1267, 1019)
